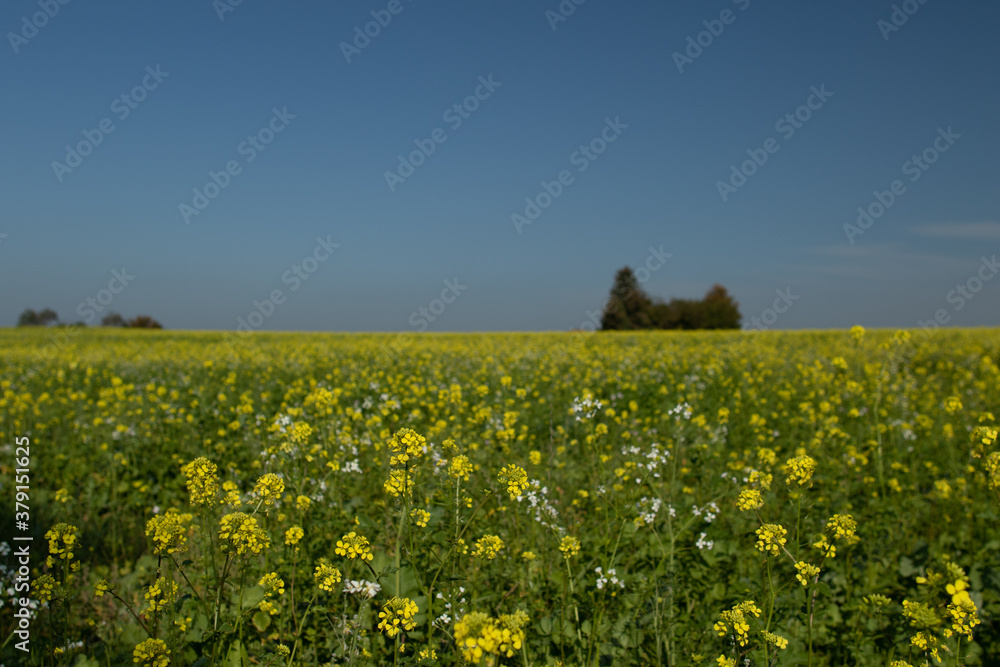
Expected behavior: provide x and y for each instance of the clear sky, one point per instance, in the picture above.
(116, 115)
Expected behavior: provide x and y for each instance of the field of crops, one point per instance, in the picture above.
(825, 498)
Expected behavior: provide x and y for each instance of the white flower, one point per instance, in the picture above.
(702, 543)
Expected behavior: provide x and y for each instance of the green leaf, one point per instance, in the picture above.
(261, 621)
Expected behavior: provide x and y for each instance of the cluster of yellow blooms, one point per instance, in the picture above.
(202, 481)
(569, 546)
(478, 635)
(161, 594)
(750, 499)
(770, 538)
(799, 469)
(151, 653)
(737, 619)
(396, 615)
(354, 546)
(269, 488)
(243, 534)
(516, 479)
(327, 576)
(487, 547)
(169, 531)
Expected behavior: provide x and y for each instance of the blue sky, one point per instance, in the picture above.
(443, 238)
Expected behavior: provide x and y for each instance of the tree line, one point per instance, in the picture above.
(48, 317)
(630, 307)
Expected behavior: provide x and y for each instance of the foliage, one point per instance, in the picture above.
(629, 308)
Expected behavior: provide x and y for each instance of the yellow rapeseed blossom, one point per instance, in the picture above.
(799, 469)
(569, 546)
(420, 517)
(151, 653)
(202, 481)
(354, 546)
(516, 479)
(62, 540)
(161, 594)
(750, 499)
(269, 488)
(272, 584)
(487, 547)
(242, 533)
(459, 467)
(770, 538)
(169, 531)
(736, 620)
(806, 572)
(404, 445)
(396, 615)
(294, 535)
(399, 483)
(326, 576)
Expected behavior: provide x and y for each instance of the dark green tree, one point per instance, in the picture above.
(144, 322)
(113, 319)
(628, 307)
(30, 318)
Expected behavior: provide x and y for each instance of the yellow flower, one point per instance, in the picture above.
(151, 653)
(805, 572)
(420, 517)
(535, 457)
(101, 587)
(406, 444)
(799, 469)
(459, 467)
(243, 534)
(487, 547)
(269, 488)
(62, 540)
(750, 499)
(161, 594)
(169, 531)
(354, 546)
(294, 535)
(516, 479)
(857, 333)
(569, 546)
(396, 615)
(327, 576)
(399, 483)
(770, 538)
(202, 480)
(272, 584)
